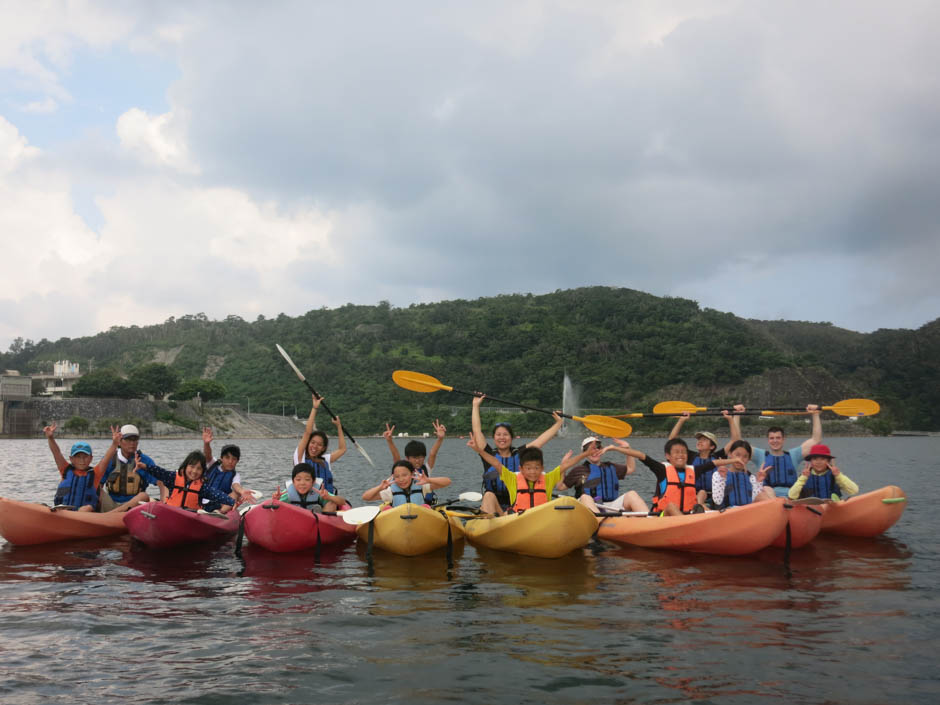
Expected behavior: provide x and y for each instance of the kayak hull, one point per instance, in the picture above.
(161, 526)
(411, 530)
(733, 532)
(868, 514)
(803, 521)
(286, 528)
(29, 523)
(550, 530)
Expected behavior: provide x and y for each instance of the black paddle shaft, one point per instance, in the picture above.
(512, 403)
(327, 409)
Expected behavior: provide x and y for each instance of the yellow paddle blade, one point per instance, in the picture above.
(418, 382)
(855, 407)
(676, 407)
(606, 425)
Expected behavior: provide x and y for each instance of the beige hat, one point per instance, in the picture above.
(130, 430)
(589, 439)
(709, 436)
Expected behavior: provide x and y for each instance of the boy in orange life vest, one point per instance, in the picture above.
(675, 481)
(531, 486)
(184, 487)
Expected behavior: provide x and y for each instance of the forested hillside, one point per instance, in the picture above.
(624, 349)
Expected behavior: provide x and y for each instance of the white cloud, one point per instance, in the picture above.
(156, 140)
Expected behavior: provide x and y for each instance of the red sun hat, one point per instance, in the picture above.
(820, 450)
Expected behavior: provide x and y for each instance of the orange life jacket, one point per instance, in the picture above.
(184, 495)
(527, 497)
(678, 492)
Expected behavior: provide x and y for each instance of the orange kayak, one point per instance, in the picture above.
(804, 522)
(29, 523)
(867, 514)
(733, 532)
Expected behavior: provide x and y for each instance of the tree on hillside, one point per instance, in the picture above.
(103, 383)
(154, 378)
(207, 389)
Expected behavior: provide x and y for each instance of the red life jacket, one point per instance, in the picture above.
(184, 495)
(527, 497)
(678, 492)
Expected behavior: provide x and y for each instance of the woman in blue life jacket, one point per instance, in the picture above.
(597, 482)
(733, 485)
(504, 450)
(404, 486)
(78, 488)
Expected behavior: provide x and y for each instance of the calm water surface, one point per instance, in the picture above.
(851, 621)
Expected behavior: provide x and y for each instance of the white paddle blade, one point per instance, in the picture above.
(364, 454)
(290, 362)
(470, 497)
(359, 515)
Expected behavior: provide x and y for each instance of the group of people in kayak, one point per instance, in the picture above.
(119, 481)
(514, 478)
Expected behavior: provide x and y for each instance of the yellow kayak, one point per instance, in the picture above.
(549, 531)
(410, 530)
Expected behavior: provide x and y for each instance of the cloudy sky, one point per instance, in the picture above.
(776, 160)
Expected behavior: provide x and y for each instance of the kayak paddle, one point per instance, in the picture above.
(418, 382)
(846, 407)
(314, 392)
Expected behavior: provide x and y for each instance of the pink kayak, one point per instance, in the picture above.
(29, 523)
(159, 525)
(804, 522)
(284, 528)
(867, 514)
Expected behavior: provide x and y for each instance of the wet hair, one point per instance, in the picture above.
(775, 429)
(529, 454)
(741, 444)
(672, 442)
(195, 457)
(299, 468)
(323, 436)
(415, 449)
(505, 425)
(403, 464)
(232, 450)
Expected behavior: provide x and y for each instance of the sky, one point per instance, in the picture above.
(774, 160)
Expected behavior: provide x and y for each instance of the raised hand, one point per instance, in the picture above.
(50, 430)
(439, 429)
(207, 434)
(389, 430)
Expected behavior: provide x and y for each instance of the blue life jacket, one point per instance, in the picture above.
(312, 498)
(77, 491)
(219, 480)
(413, 494)
(321, 469)
(738, 489)
(782, 472)
(607, 485)
(491, 477)
(703, 480)
(430, 497)
(822, 486)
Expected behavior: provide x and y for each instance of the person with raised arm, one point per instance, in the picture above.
(311, 450)
(782, 465)
(507, 454)
(78, 488)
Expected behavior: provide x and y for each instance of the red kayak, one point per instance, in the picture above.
(804, 522)
(29, 523)
(284, 528)
(867, 514)
(159, 525)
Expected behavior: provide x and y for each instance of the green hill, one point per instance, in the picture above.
(624, 349)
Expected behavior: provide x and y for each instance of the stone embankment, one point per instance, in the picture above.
(88, 417)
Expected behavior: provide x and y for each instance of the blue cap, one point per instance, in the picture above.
(80, 447)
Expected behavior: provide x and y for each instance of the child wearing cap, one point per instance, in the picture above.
(597, 483)
(78, 488)
(507, 454)
(706, 445)
(221, 474)
(821, 478)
